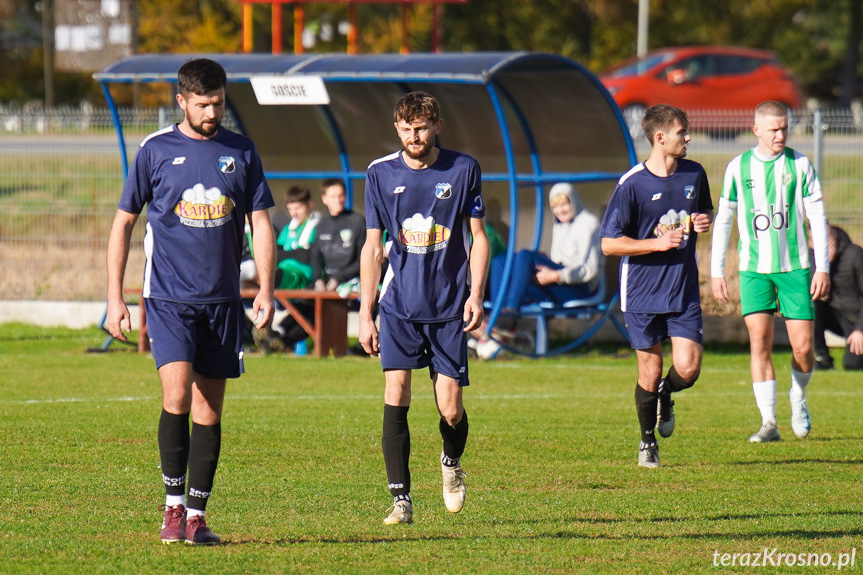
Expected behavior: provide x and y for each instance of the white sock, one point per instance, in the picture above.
(193, 513)
(799, 381)
(765, 399)
(174, 500)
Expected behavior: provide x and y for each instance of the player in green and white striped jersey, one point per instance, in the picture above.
(774, 190)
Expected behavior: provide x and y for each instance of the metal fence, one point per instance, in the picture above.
(61, 176)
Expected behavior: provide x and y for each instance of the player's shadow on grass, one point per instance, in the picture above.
(797, 461)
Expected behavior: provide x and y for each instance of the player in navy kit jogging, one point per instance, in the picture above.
(429, 202)
(652, 221)
(200, 183)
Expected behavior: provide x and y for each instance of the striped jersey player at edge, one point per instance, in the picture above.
(428, 201)
(773, 191)
(652, 221)
(200, 183)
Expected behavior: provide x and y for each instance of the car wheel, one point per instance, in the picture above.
(632, 115)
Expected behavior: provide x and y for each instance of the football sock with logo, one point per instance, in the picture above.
(645, 407)
(765, 399)
(672, 383)
(174, 451)
(205, 445)
(454, 440)
(396, 443)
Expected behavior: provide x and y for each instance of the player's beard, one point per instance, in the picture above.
(199, 128)
(424, 151)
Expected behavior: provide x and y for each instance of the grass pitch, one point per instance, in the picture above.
(553, 485)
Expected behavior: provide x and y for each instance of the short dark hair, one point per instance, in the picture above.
(298, 194)
(333, 182)
(415, 105)
(200, 76)
(662, 116)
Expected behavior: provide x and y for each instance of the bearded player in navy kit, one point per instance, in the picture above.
(200, 182)
(429, 202)
(652, 222)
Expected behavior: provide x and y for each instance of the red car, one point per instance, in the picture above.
(699, 77)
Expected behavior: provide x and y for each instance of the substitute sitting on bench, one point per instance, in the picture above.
(571, 272)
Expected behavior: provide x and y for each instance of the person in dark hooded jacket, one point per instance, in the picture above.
(842, 311)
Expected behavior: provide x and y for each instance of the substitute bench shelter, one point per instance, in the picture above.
(530, 119)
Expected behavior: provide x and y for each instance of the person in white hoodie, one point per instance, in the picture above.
(573, 269)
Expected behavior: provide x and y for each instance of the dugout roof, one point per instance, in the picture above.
(529, 119)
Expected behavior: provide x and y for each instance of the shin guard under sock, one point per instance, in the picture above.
(205, 445)
(645, 407)
(454, 438)
(174, 451)
(396, 444)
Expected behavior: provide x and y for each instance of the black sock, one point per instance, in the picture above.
(174, 451)
(645, 407)
(205, 445)
(396, 443)
(454, 440)
(674, 383)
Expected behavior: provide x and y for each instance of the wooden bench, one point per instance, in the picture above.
(328, 329)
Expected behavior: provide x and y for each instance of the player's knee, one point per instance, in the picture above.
(451, 416)
(682, 378)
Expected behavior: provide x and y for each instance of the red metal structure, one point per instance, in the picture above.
(300, 21)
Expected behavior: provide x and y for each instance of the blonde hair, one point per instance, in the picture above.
(559, 199)
(771, 109)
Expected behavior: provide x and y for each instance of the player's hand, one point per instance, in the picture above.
(719, 289)
(320, 285)
(369, 337)
(117, 319)
(820, 287)
(472, 313)
(670, 240)
(855, 342)
(263, 309)
(700, 223)
(546, 276)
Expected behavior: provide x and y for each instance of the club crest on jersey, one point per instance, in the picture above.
(227, 164)
(203, 207)
(421, 235)
(786, 179)
(750, 184)
(443, 191)
(689, 192)
(346, 235)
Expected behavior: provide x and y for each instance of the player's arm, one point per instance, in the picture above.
(264, 248)
(718, 249)
(117, 317)
(820, 286)
(371, 259)
(626, 246)
(480, 253)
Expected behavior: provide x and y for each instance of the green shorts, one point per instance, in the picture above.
(759, 292)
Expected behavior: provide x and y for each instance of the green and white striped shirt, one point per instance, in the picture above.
(773, 197)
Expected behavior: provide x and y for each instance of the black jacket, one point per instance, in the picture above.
(337, 246)
(846, 280)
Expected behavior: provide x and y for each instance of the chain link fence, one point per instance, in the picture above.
(61, 177)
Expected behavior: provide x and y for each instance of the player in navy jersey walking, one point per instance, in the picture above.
(429, 202)
(652, 221)
(200, 183)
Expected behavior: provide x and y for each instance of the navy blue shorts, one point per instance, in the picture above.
(442, 347)
(647, 329)
(209, 336)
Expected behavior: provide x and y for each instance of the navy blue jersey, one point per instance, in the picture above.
(197, 193)
(426, 214)
(646, 206)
